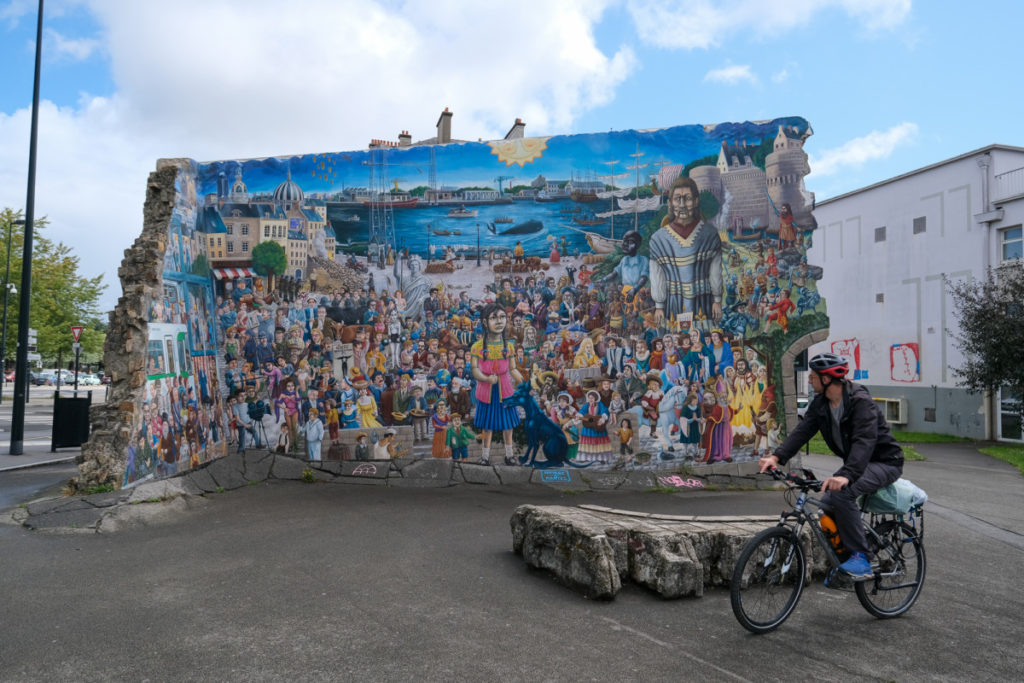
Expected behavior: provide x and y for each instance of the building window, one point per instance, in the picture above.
(880, 298)
(231, 229)
(880, 234)
(245, 247)
(231, 247)
(266, 231)
(1012, 242)
(245, 228)
(220, 241)
(920, 224)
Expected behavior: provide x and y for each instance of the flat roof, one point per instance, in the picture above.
(923, 169)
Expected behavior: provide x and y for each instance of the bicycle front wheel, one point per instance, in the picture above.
(899, 576)
(768, 579)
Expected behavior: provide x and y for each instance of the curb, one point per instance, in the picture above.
(39, 463)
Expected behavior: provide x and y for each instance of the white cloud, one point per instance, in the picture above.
(712, 23)
(731, 75)
(213, 79)
(859, 151)
(76, 48)
(780, 76)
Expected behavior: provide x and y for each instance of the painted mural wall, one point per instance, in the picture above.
(181, 421)
(615, 300)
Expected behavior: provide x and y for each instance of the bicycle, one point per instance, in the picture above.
(771, 572)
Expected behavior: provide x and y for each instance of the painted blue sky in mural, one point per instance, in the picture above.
(475, 164)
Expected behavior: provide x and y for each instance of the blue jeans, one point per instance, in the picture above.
(460, 453)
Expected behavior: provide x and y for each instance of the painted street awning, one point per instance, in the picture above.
(232, 273)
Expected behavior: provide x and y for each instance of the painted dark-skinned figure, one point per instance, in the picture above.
(632, 270)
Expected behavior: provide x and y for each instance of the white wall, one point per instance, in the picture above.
(907, 269)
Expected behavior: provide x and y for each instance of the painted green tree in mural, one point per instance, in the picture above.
(61, 297)
(268, 260)
(990, 312)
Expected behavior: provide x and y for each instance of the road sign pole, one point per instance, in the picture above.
(78, 350)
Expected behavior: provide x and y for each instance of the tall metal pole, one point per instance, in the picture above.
(24, 310)
(7, 293)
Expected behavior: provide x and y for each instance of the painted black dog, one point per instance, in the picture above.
(540, 431)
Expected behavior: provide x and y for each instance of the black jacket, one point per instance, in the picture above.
(863, 436)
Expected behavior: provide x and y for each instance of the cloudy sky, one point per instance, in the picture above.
(888, 85)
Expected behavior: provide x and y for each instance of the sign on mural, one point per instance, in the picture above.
(628, 294)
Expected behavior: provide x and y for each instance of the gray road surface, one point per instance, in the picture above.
(291, 581)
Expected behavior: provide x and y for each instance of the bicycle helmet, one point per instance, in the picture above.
(830, 364)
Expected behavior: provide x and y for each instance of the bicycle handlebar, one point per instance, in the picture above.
(804, 483)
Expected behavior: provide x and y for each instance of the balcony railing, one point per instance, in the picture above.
(1008, 185)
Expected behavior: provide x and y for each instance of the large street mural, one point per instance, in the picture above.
(617, 300)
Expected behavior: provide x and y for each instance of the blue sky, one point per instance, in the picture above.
(887, 85)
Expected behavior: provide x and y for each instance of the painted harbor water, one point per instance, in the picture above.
(415, 227)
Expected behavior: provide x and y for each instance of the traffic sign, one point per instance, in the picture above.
(76, 347)
(34, 356)
(76, 332)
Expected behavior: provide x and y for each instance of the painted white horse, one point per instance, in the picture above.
(668, 415)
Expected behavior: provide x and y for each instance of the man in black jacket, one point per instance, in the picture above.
(854, 429)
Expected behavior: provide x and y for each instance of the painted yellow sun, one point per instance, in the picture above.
(519, 151)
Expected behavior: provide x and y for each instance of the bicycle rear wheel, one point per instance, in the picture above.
(899, 576)
(768, 579)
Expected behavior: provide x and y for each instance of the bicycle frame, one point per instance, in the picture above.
(802, 517)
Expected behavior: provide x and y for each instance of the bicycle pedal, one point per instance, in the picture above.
(838, 581)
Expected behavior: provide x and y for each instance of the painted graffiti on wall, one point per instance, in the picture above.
(850, 350)
(615, 301)
(905, 362)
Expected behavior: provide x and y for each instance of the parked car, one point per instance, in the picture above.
(9, 377)
(88, 380)
(801, 406)
(41, 378)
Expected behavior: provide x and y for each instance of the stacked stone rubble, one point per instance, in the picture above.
(124, 352)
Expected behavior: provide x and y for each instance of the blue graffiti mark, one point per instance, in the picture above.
(554, 475)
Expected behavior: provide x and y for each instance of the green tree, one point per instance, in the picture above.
(418, 191)
(201, 266)
(61, 297)
(990, 313)
(269, 259)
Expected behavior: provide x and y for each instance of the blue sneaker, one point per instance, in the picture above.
(857, 567)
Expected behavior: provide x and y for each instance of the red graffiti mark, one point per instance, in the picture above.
(678, 482)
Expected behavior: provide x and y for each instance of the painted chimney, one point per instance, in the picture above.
(404, 139)
(444, 127)
(516, 131)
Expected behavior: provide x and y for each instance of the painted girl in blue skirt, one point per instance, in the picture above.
(493, 361)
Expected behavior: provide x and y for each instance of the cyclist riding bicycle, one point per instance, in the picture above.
(855, 429)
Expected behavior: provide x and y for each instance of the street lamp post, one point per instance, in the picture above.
(24, 310)
(8, 288)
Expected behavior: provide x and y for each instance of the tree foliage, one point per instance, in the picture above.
(269, 258)
(990, 313)
(61, 297)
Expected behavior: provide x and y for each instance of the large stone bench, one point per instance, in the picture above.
(592, 549)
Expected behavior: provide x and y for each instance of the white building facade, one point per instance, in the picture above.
(886, 250)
